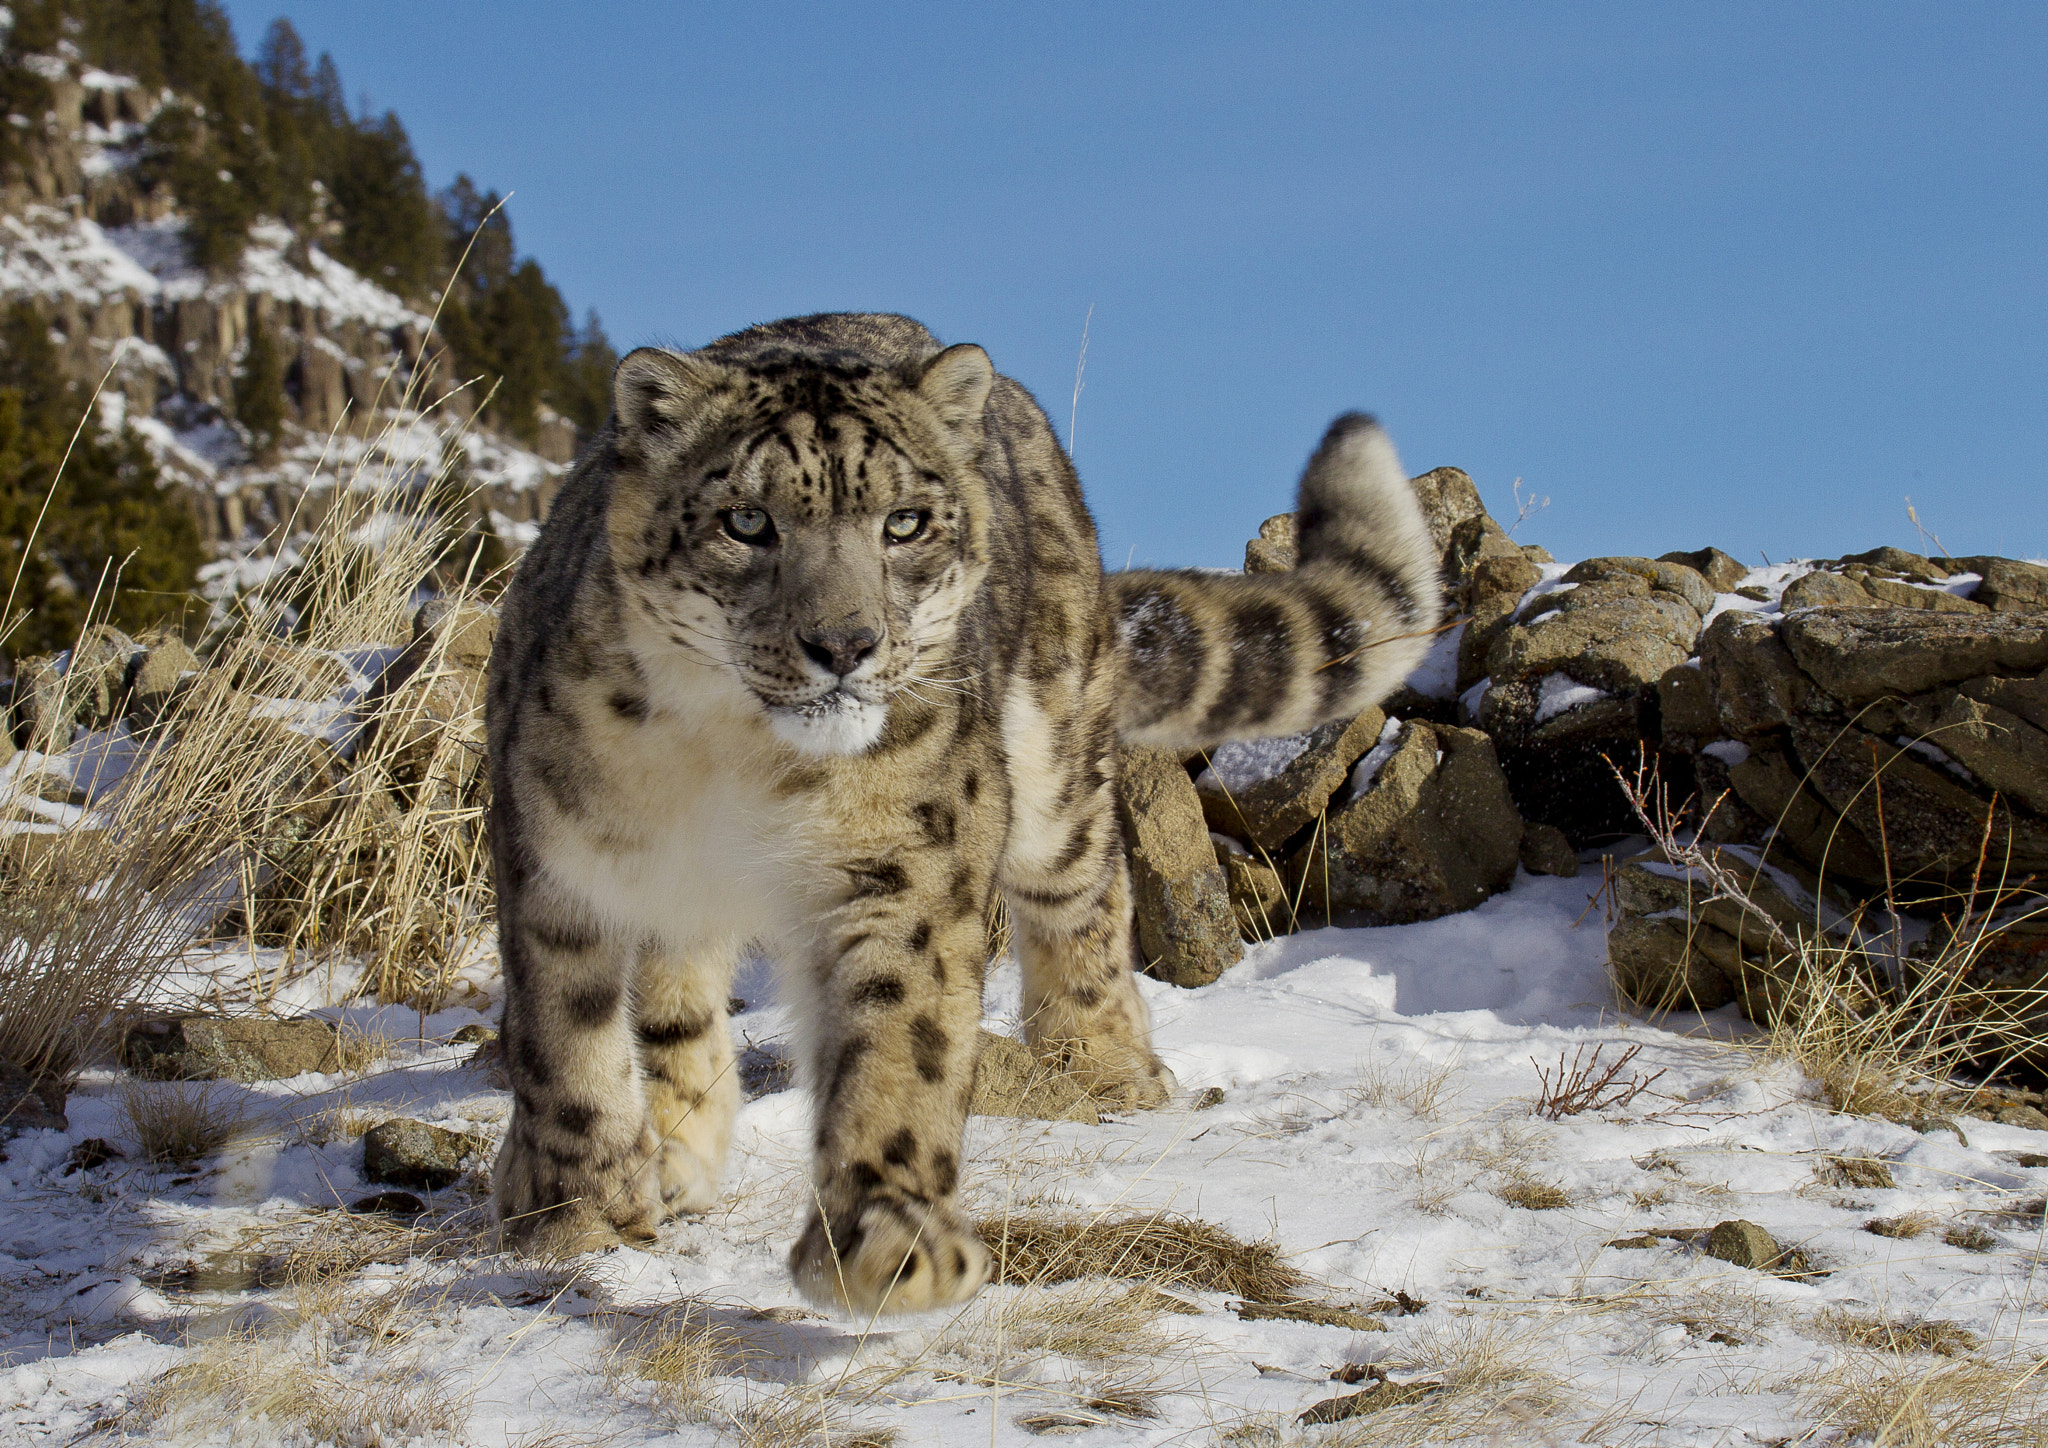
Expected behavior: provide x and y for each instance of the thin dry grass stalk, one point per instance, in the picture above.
(1168, 1251)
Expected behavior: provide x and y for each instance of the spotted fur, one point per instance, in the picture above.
(816, 650)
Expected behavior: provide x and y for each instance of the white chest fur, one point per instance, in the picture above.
(688, 839)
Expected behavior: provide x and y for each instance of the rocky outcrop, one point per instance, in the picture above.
(219, 1048)
(101, 258)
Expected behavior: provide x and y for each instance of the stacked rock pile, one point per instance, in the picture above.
(1864, 729)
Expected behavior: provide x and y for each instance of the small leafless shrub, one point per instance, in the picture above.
(1589, 1084)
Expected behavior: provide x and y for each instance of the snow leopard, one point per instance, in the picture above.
(815, 655)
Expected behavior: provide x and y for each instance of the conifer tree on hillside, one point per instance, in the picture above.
(107, 520)
(507, 325)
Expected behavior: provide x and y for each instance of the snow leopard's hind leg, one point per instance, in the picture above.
(1068, 889)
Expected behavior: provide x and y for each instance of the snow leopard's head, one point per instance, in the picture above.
(815, 523)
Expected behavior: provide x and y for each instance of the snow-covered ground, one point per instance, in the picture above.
(1363, 1098)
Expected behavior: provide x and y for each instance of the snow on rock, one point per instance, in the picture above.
(1558, 693)
(1245, 762)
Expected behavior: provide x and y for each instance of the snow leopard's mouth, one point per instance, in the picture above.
(838, 721)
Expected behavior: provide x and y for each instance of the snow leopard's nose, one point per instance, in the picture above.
(842, 650)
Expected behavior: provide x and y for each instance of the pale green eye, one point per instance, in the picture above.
(749, 525)
(903, 525)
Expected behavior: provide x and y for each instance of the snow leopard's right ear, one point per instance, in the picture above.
(660, 399)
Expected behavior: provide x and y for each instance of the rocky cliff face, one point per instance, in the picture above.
(366, 388)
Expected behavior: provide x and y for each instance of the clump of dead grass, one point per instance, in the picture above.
(1880, 1030)
(328, 1378)
(1533, 1195)
(1036, 1249)
(178, 1123)
(1929, 1335)
(1425, 1089)
(1903, 1226)
(681, 1353)
(1893, 1400)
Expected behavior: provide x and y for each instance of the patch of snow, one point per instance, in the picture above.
(1559, 693)
(1470, 700)
(1246, 762)
(1367, 769)
(1730, 752)
(1934, 755)
(1436, 677)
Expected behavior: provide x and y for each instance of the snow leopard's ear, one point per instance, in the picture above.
(660, 398)
(956, 383)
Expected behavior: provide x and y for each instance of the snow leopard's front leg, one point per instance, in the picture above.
(577, 1170)
(687, 1067)
(897, 983)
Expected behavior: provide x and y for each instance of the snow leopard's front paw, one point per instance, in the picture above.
(558, 1199)
(1122, 1074)
(888, 1252)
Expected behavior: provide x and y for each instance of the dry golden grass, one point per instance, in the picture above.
(1878, 1030)
(1928, 1335)
(1891, 1400)
(1534, 1196)
(326, 1377)
(175, 1123)
(1425, 1089)
(1905, 1225)
(681, 1354)
(1036, 1249)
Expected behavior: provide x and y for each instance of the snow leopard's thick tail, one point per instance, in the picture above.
(1209, 657)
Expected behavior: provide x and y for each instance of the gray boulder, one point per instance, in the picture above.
(1437, 832)
(1186, 931)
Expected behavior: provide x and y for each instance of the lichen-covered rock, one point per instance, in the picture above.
(1610, 636)
(159, 674)
(1547, 850)
(1677, 579)
(1999, 748)
(1436, 833)
(406, 1153)
(1258, 895)
(1667, 964)
(1859, 655)
(1722, 572)
(1755, 682)
(220, 1048)
(1745, 1244)
(1186, 931)
(1276, 549)
(2008, 585)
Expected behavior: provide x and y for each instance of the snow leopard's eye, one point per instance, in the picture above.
(750, 525)
(903, 525)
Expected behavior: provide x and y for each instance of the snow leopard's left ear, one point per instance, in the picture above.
(661, 397)
(956, 383)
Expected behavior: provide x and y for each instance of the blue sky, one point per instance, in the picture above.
(1740, 274)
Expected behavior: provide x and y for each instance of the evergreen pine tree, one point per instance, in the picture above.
(259, 393)
(106, 519)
